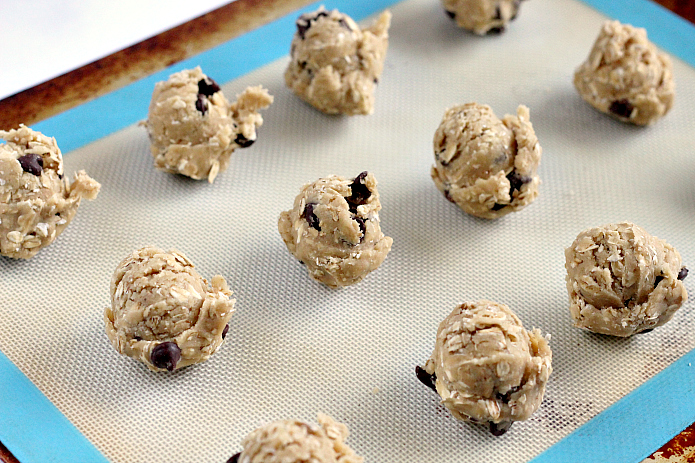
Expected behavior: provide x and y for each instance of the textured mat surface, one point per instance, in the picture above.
(295, 347)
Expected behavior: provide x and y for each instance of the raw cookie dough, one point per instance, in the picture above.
(334, 65)
(194, 130)
(621, 280)
(286, 441)
(484, 165)
(36, 201)
(486, 367)
(164, 313)
(626, 76)
(334, 229)
(482, 16)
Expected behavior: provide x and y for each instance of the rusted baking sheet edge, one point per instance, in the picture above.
(143, 59)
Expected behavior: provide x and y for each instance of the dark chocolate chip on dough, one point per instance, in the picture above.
(201, 104)
(683, 273)
(234, 458)
(32, 163)
(225, 331)
(208, 87)
(310, 217)
(426, 378)
(497, 429)
(304, 22)
(242, 141)
(450, 14)
(363, 227)
(359, 193)
(166, 355)
(621, 108)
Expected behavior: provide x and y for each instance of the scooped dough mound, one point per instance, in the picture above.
(485, 165)
(486, 367)
(36, 201)
(164, 313)
(482, 16)
(625, 75)
(291, 441)
(334, 229)
(194, 130)
(621, 280)
(334, 65)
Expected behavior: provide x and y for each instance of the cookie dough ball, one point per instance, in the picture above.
(164, 313)
(194, 130)
(621, 280)
(334, 65)
(482, 16)
(484, 165)
(334, 229)
(294, 441)
(486, 367)
(36, 201)
(625, 75)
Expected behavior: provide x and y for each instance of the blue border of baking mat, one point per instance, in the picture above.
(35, 431)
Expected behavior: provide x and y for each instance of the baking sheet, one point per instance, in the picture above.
(294, 347)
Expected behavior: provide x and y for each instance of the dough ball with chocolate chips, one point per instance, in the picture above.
(625, 75)
(334, 229)
(485, 165)
(163, 313)
(36, 201)
(334, 65)
(621, 280)
(482, 16)
(194, 130)
(292, 441)
(486, 367)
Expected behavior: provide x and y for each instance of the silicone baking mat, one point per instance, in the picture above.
(296, 348)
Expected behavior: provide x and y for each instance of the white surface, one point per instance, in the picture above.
(42, 39)
(294, 347)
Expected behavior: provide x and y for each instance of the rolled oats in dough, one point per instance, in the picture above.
(291, 441)
(334, 229)
(334, 65)
(482, 16)
(486, 367)
(484, 165)
(163, 313)
(194, 130)
(37, 201)
(626, 76)
(621, 280)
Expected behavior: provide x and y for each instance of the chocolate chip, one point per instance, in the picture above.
(234, 458)
(492, 31)
(376, 81)
(450, 14)
(498, 206)
(32, 163)
(497, 429)
(201, 104)
(515, 182)
(304, 22)
(208, 87)
(359, 193)
(621, 108)
(310, 217)
(225, 331)
(507, 395)
(498, 13)
(166, 355)
(137, 338)
(363, 227)
(426, 378)
(447, 195)
(683, 273)
(242, 141)
(657, 280)
(645, 331)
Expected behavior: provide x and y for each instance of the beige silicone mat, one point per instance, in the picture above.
(295, 347)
